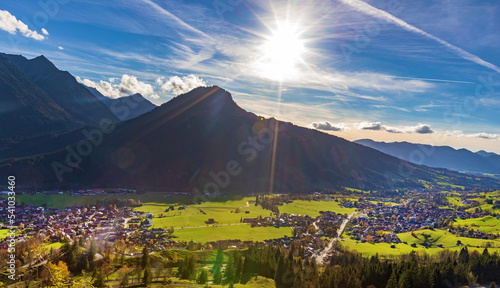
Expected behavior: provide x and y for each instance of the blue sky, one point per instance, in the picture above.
(418, 71)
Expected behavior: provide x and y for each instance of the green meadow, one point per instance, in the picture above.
(241, 232)
(427, 237)
(312, 208)
(222, 210)
(488, 224)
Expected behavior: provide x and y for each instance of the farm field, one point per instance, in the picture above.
(3, 233)
(426, 236)
(223, 211)
(488, 224)
(312, 208)
(66, 200)
(242, 232)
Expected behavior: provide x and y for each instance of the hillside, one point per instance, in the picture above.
(25, 109)
(63, 89)
(203, 140)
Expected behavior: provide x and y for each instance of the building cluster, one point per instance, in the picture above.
(101, 223)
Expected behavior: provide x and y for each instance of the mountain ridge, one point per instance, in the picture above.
(203, 141)
(125, 107)
(439, 156)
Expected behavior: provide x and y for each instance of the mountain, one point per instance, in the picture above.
(486, 154)
(439, 156)
(42, 107)
(203, 140)
(127, 107)
(26, 109)
(63, 89)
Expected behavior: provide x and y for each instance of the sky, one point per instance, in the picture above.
(389, 70)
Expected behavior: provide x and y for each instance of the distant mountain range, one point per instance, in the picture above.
(39, 102)
(439, 156)
(199, 140)
(127, 107)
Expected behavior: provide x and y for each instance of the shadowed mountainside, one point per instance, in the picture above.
(203, 140)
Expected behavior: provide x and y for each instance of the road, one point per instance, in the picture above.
(323, 253)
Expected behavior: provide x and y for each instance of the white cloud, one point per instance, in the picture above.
(128, 85)
(482, 135)
(60, 47)
(44, 31)
(160, 80)
(9, 23)
(377, 126)
(380, 14)
(329, 126)
(182, 85)
(106, 88)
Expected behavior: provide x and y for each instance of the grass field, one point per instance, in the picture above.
(488, 224)
(242, 232)
(222, 211)
(65, 200)
(3, 233)
(57, 201)
(312, 208)
(426, 236)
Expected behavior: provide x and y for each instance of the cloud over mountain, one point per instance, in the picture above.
(180, 85)
(377, 126)
(329, 126)
(128, 85)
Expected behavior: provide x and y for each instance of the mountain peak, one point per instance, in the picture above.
(42, 60)
(207, 97)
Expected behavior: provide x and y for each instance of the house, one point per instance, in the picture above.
(210, 221)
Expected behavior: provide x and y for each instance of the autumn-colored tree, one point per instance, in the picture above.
(59, 274)
(369, 239)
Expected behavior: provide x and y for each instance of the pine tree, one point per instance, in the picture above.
(202, 277)
(92, 251)
(463, 257)
(405, 280)
(280, 271)
(229, 271)
(393, 281)
(99, 280)
(145, 257)
(218, 276)
(493, 285)
(239, 268)
(146, 279)
(124, 281)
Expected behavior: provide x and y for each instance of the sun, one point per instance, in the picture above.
(281, 52)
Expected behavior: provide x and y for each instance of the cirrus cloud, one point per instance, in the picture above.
(482, 135)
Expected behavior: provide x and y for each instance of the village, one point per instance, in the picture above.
(373, 222)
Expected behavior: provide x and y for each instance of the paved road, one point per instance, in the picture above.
(323, 253)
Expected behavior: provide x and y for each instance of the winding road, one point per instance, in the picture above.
(323, 253)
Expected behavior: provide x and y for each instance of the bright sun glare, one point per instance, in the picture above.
(281, 52)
